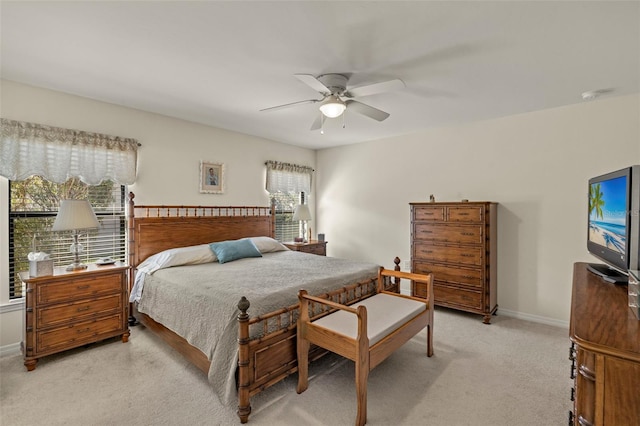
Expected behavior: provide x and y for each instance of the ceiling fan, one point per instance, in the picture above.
(336, 97)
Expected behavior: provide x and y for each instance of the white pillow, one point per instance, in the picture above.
(267, 245)
(191, 255)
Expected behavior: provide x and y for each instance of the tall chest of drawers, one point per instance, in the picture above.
(71, 309)
(457, 242)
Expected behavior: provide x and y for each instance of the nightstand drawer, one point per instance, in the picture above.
(79, 333)
(68, 290)
(314, 250)
(79, 310)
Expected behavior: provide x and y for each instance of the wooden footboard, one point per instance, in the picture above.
(266, 357)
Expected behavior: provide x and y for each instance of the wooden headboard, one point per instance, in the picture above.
(153, 229)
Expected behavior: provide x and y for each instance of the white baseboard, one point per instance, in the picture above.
(12, 349)
(533, 318)
(518, 315)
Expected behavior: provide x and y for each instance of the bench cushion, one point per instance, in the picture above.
(385, 313)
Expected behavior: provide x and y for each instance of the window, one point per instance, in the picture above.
(288, 184)
(32, 210)
(285, 205)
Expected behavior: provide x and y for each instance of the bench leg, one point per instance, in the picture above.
(430, 339)
(362, 375)
(303, 364)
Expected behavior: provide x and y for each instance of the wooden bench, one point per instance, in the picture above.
(366, 332)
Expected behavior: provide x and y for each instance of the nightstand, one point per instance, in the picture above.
(70, 309)
(313, 247)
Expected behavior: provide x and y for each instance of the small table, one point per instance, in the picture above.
(70, 309)
(312, 246)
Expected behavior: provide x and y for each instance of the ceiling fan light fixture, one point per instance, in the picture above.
(332, 106)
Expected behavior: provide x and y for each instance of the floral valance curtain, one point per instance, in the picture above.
(285, 177)
(57, 154)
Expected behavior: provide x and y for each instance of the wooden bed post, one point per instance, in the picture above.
(396, 280)
(131, 247)
(244, 405)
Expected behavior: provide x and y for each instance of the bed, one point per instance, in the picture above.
(244, 338)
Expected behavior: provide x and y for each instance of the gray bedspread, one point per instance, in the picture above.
(199, 302)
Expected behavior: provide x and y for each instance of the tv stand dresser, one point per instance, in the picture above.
(605, 353)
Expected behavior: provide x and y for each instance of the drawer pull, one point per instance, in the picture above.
(84, 308)
(467, 233)
(587, 374)
(469, 277)
(83, 330)
(463, 214)
(82, 287)
(467, 255)
(584, 422)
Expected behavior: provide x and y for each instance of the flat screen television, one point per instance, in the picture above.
(614, 223)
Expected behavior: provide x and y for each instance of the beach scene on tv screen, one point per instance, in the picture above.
(607, 213)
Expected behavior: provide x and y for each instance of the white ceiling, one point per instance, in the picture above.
(219, 63)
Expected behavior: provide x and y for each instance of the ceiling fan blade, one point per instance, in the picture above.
(313, 82)
(372, 89)
(317, 124)
(366, 110)
(308, 101)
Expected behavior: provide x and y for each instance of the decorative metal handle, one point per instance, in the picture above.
(84, 308)
(466, 255)
(584, 422)
(587, 374)
(82, 330)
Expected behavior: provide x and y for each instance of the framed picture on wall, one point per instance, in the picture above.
(211, 177)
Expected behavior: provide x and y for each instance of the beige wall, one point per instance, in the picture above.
(535, 165)
(168, 163)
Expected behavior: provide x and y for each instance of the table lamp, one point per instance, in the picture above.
(303, 214)
(75, 215)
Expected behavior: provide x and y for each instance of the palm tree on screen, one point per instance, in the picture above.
(595, 200)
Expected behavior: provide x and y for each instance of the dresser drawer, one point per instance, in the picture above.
(429, 213)
(469, 277)
(471, 256)
(53, 315)
(81, 288)
(78, 334)
(465, 214)
(463, 234)
(457, 297)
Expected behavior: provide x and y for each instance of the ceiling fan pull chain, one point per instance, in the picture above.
(343, 125)
(321, 123)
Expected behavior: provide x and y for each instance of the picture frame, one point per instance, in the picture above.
(212, 177)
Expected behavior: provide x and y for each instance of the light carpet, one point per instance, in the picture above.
(512, 372)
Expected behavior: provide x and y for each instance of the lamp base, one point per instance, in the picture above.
(76, 267)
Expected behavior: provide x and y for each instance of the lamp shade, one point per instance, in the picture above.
(75, 214)
(332, 107)
(302, 212)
